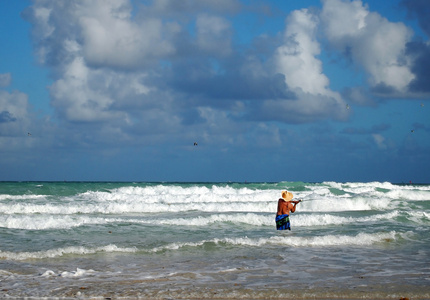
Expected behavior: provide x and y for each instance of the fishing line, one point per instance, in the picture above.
(307, 200)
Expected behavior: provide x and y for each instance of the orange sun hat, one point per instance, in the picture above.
(287, 195)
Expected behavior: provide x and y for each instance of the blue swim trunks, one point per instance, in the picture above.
(283, 222)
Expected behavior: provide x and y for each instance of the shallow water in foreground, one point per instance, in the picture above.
(213, 240)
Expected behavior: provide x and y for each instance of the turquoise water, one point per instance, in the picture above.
(206, 240)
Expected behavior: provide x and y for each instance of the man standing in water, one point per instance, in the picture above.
(285, 207)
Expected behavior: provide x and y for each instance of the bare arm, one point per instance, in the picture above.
(293, 209)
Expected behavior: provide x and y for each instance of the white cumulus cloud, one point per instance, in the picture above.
(369, 40)
(297, 60)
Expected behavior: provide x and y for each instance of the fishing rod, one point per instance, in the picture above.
(301, 200)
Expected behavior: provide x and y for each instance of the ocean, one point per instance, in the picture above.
(130, 240)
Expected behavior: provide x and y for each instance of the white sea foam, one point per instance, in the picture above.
(193, 203)
(48, 273)
(160, 198)
(4, 197)
(360, 186)
(328, 219)
(66, 274)
(179, 195)
(77, 273)
(268, 220)
(46, 222)
(361, 239)
(52, 253)
(419, 217)
(331, 204)
(406, 192)
(243, 218)
(409, 195)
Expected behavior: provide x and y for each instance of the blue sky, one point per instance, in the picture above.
(331, 90)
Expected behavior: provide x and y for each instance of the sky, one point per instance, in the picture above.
(202, 90)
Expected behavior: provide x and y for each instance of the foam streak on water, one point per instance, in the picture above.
(201, 240)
